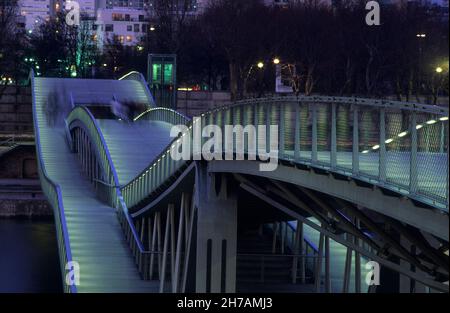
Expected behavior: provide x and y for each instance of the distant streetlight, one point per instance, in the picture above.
(260, 65)
(421, 35)
(439, 69)
(276, 61)
(152, 28)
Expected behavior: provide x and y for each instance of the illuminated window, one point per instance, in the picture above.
(168, 70)
(156, 73)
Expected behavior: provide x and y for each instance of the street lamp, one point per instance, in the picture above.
(439, 70)
(260, 65)
(152, 28)
(276, 61)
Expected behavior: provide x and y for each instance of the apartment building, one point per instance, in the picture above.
(34, 12)
(125, 25)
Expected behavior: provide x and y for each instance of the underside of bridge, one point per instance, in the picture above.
(322, 221)
(266, 233)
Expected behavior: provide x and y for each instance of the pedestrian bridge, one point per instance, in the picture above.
(365, 177)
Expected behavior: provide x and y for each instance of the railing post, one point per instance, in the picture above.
(268, 107)
(302, 252)
(357, 260)
(297, 133)
(176, 277)
(314, 134)
(274, 239)
(282, 125)
(166, 248)
(413, 161)
(298, 249)
(327, 265)
(153, 244)
(382, 156)
(355, 152)
(347, 270)
(333, 136)
(446, 181)
(318, 269)
(255, 123)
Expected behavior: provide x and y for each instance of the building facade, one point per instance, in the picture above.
(125, 25)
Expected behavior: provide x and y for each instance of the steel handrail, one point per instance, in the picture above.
(134, 75)
(52, 193)
(130, 195)
(85, 117)
(181, 117)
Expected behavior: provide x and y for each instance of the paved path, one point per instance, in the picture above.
(96, 238)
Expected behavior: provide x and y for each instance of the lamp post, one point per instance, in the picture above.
(420, 36)
(438, 82)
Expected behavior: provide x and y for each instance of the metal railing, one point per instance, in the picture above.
(164, 115)
(11, 141)
(108, 189)
(286, 237)
(52, 192)
(398, 146)
(140, 78)
(140, 254)
(354, 137)
(151, 178)
(267, 266)
(90, 125)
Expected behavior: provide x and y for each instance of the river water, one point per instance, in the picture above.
(28, 256)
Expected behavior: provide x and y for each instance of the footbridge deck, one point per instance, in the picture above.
(393, 150)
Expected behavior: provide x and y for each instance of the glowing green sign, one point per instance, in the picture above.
(168, 77)
(156, 73)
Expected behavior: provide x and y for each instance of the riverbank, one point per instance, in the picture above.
(23, 198)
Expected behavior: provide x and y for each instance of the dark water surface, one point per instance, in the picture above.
(28, 256)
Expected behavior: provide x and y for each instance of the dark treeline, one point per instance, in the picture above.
(333, 50)
(327, 50)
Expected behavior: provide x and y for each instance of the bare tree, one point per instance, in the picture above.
(12, 43)
(240, 30)
(168, 19)
(63, 49)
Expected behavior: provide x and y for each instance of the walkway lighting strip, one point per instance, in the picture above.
(404, 133)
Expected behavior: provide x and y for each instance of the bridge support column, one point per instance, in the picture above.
(216, 232)
(406, 284)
